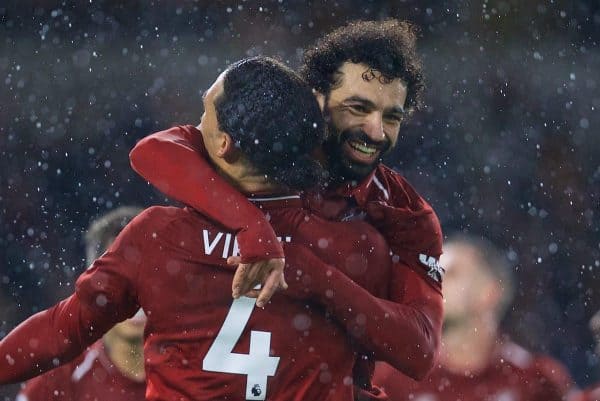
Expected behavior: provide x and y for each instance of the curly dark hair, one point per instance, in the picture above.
(274, 118)
(387, 46)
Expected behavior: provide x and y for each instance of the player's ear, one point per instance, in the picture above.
(226, 146)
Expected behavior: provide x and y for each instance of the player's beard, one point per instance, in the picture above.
(342, 168)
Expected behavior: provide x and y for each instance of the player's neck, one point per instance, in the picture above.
(127, 356)
(256, 184)
(469, 346)
(246, 180)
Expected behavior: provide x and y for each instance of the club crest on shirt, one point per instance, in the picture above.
(435, 270)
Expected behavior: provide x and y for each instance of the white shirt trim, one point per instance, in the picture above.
(386, 195)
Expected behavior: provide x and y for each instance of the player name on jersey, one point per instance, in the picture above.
(225, 243)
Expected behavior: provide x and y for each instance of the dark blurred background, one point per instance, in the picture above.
(508, 145)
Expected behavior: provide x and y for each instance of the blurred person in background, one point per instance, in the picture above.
(477, 362)
(593, 392)
(368, 80)
(112, 369)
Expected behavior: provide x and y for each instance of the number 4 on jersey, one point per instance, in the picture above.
(257, 364)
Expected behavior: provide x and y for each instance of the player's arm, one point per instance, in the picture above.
(104, 295)
(175, 162)
(414, 235)
(403, 330)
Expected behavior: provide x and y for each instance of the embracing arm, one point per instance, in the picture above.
(55, 336)
(403, 331)
(175, 162)
(104, 296)
(46, 340)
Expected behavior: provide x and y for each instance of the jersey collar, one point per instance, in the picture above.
(276, 201)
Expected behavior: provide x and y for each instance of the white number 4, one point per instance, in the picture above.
(257, 364)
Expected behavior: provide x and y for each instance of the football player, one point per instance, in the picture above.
(173, 262)
(368, 79)
(112, 368)
(476, 362)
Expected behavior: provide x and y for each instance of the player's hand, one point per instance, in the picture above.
(268, 273)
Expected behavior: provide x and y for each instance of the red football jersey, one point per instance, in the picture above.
(92, 376)
(408, 335)
(175, 162)
(200, 345)
(513, 374)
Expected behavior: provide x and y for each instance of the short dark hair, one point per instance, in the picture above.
(387, 46)
(103, 230)
(274, 118)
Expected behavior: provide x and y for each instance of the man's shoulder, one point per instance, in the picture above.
(157, 218)
(538, 366)
(388, 171)
(590, 394)
(398, 186)
(185, 231)
(165, 227)
(418, 217)
(553, 372)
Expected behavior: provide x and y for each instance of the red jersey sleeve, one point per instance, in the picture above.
(408, 223)
(104, 295)
(403, 330)
(175, 162)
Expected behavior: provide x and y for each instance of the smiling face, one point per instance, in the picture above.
(364, 112)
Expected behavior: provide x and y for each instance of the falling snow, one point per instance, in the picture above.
(507, 145)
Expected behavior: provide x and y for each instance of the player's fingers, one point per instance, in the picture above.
(269, 288)
(282, 283)
(239, 277)
(252, 294)
(234, 260)
(279, 265)
(250, 278)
